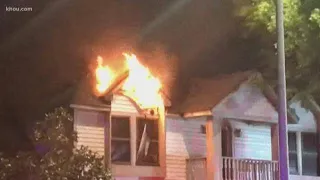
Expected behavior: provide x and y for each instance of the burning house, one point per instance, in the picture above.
(225, 128)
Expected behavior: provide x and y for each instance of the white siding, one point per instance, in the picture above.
(307, 122)
(123, 104)
(297, 177)
(89, 126)
(183, 139)
(248, 103)
(254, 141)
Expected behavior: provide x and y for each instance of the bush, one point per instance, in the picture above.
(55, 157)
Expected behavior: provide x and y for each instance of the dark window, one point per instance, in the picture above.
(293, 156)
(147, 142)
(309, 154)
(120, 140)
(226, 135)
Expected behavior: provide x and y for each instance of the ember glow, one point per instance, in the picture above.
(140, 85)
(104, 76)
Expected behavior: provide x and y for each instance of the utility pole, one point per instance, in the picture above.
(282, 105)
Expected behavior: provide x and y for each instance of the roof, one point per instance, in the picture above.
(204, 94)
(84, 95)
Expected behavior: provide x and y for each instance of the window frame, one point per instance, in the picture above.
(308, 153)
(133, 119)
(148, 118)
(299, 142)
(122, 139)
(294, 152)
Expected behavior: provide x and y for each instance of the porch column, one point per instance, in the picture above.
(275, 145)
(213, 141)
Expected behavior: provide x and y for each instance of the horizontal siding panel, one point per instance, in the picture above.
(91, 140)
(254, 141)
(91, 135)
(176, 150)
(90, 130)
(122, 104)
(176, 159)
(194, 138)
(183, 139)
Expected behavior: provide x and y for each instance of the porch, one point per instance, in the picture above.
(234, 169)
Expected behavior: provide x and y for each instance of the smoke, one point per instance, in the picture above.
(53, 55)
(196, 35)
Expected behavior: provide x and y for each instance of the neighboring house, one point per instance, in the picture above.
(302, 140)
(226, 128)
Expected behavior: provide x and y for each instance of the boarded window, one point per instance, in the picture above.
(147, 142)
(309, 154)
(293, 156)
(120, 140)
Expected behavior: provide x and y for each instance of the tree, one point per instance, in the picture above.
(55, 156)
(302, 39)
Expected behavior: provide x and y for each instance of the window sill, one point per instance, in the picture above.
(146, 171)
(299, 177)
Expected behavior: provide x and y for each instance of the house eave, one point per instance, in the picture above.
(197, 114)
(104, 108)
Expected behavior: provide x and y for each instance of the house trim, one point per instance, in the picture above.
(91, 108)
(299, 152)
(197, 114)
(260, 119)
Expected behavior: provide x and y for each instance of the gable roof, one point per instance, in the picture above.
(205, 94)
(85, 95)
(115, 87)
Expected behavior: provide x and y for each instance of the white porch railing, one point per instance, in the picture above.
(235, 169)
(249, 169)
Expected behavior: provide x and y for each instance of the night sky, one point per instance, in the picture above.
(44, 53)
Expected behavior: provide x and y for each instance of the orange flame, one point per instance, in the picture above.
(141, 86)
(104, 76)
